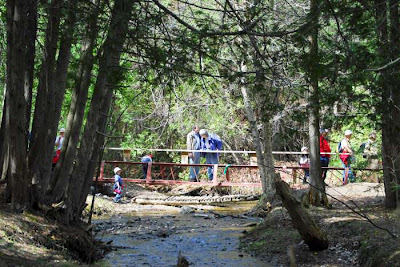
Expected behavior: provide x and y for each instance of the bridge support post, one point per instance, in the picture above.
(101, 176)
(215, 175)
(148, 176)
(294, 176)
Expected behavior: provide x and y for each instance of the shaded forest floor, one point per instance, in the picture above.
(353, 240)
(27, 239)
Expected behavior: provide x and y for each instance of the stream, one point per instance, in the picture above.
(204, 235)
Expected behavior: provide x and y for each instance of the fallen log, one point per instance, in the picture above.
(301, 219)
(170, 200)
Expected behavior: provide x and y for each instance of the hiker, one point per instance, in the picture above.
(371, 154)
(324, 150)
(118, 185)
(146, 160)
(60, 139)
(58, 143)
(305, 162)
(210, 141)
(346, 155)
(193, 141)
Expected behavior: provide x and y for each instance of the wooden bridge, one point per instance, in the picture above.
(159, 173)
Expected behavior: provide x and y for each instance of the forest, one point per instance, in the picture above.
(263, 75)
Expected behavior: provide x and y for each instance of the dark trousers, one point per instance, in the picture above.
(324, 163)
(145, 166)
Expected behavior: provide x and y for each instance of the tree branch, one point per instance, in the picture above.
(385, 67)
(245, 31)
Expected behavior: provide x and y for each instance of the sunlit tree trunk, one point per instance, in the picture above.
(251, 117)
(270, 189)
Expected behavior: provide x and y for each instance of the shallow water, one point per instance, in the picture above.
(156, 239)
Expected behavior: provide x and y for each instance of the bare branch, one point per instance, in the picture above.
(387, 66)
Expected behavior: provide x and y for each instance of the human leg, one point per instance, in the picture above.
(345, 174)
(144, 170)
(117, 197)
(213, 159)
(192, 175)
(324, 163)
(194, 171)
(196, 159)
(209, 169)
(373, 164)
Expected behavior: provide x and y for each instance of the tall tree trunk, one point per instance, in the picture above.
(39, 160)
(56, 91)
(317, 190)
(4, 133)
(108, 77)
(254, 131)
(263, 95)
(268, 158)
(388, 40)
(30, 59)
(63, 169)
(16, 105)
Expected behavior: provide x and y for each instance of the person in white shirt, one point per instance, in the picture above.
(305, 162)
(58, 143)
(60, 139)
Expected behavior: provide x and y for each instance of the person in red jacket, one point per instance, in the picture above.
(324, 150)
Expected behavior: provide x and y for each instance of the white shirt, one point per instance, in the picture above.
(59, 142)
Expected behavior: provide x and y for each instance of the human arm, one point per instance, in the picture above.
(346, 146)
(57, 143)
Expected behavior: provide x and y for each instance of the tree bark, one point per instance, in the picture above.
(56, 91)
(317, 191)
(4, 133)
(301, 219)
(268, 158)
(254, 132)
(15, 105)
(388, 40)
(39, 157)
(30, 59)
(63, 169)
(108, 77)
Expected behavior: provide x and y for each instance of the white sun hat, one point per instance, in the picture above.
(348, 132)
(117, 169)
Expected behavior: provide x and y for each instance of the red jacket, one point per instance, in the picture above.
(324, 147)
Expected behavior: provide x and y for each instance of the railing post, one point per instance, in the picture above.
(227, 175)
(101, 176)
(215, 174)
(148, 176)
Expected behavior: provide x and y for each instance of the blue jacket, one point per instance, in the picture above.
(214, 142)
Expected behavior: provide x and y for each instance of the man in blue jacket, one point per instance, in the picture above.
(210, 141)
